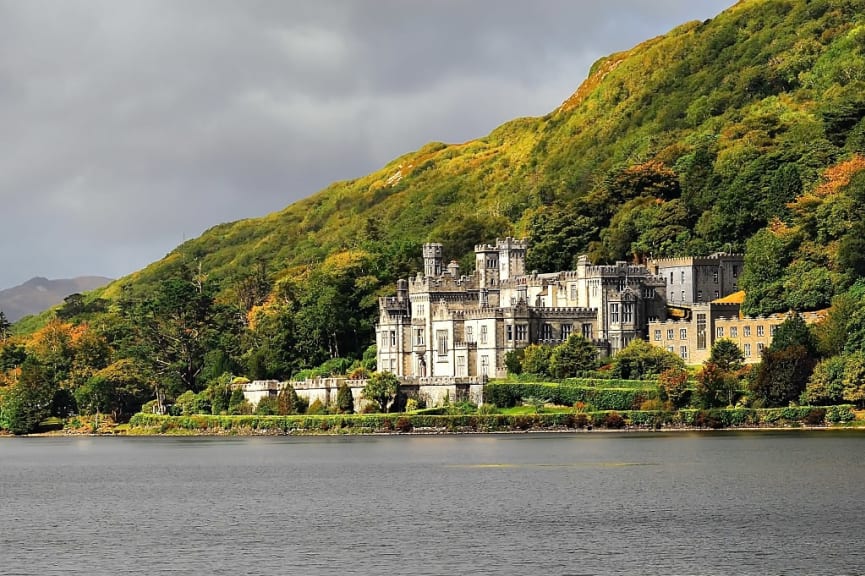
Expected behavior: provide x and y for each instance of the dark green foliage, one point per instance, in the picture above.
(782, 375)
(794, 332)
(267, 406)
(29, 401)
(573, 357)
(382, 388)
(514, 361)
(344, 399)
(639, 359)
(726, 355)
(536, 359)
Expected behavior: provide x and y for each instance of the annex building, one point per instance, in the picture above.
(442, 323)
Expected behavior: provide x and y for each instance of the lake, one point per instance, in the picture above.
(784, 502)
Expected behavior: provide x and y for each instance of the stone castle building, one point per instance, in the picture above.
(444, 323)
(693, 280)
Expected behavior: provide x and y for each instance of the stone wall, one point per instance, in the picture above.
(434, 391)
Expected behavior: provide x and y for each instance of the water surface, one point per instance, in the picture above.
(586, 503)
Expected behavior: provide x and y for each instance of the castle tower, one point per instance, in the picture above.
(512, 257)
(432, 260)
(487, 264)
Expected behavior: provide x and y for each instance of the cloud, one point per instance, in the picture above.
(129, 126)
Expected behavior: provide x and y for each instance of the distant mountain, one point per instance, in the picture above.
(38, 294)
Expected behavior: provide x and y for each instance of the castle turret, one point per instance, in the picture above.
(487, 264)
(432, 260)
(512, 257)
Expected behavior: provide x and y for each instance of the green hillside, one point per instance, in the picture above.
(687, 143)
(738, 133)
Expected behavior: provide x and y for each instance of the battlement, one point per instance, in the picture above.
(713, 259)
(501, 244)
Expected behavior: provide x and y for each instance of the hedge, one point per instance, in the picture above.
(347, 423)
(510, 394)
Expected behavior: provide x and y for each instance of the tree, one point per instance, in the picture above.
(782, 375)
(573, 356)
(382, 388)
(536, 359)
(726, 355)
(5, 327)
(673, 383)
(344, 399)
(29, 401)
(826, 384)
(639, 359)
(118, 389)
(793, 331)
(716, 386)
(287, 401)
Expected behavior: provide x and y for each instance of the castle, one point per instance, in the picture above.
(444, 323)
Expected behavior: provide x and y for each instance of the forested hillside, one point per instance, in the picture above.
(745, 132)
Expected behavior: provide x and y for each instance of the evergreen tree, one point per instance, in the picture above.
(344, 399)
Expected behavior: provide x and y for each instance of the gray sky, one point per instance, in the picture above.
(129, 126)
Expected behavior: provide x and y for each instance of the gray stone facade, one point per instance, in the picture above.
(444, 324)
(692, 280)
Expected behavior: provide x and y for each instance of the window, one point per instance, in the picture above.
(701, 331)
(683, 333)
(669, 333)
(442, 340)
(566, 331)
(485, 365)
(715, 277)
(393, 338)
(699, 295)
(683, 295)
(627, 312)
(669, 349)
(719, 332)
(735, 271)
(614, 313)
(483, 334)
(773, 329)
(470, 336)
(587, 331)
(747, 350)
(546, 332)
(573, 291)
(734, 332)
(671, 278)
(760, 346)
(419, 336)
(683, 352)
(657, 335)
(746, 331)
(461, 366)
(717, 294)
(683, 276)
(759, 330)
(522, 332)
(509, 332)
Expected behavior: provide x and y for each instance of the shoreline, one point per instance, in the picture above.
(250, 433)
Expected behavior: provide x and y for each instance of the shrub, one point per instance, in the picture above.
(316, 408)
(815, 417)
(614, 420)
(404, 424)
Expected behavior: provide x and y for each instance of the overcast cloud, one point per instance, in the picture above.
(129, 126)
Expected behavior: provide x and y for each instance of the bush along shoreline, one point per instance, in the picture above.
(419, 423)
